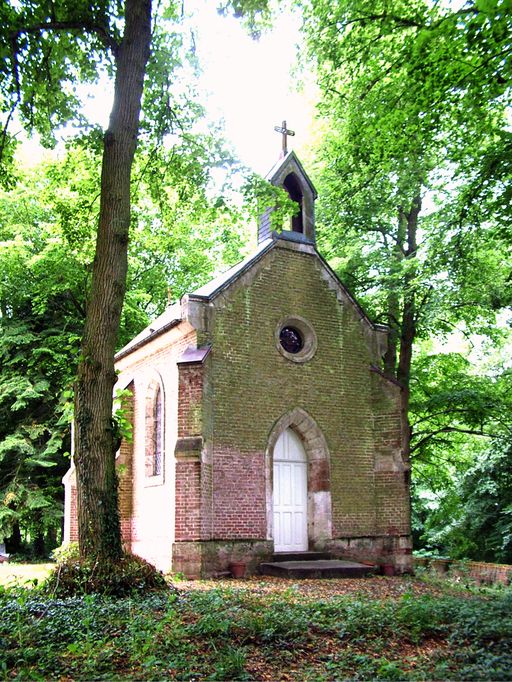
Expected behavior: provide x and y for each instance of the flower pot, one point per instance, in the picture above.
(237, 569)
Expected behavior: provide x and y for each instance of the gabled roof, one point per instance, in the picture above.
(214, 286)
(167, 320)
(172, 316)
(209, 291)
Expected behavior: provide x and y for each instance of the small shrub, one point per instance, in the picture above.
(68, 551)
(129, 576)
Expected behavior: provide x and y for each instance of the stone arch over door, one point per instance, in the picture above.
(319, 478)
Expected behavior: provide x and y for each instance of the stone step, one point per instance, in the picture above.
(300, 556)
(320, 568)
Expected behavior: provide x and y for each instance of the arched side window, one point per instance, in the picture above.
(158, 433)
(155, 430)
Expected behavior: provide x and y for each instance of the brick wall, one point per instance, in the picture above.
(188, 501)
(238, 494)
(190, 396)
(153, 509)
(480, 572)
(188, 453)
(253, 385)
(73, 515)
(216, 486)
(124, 467)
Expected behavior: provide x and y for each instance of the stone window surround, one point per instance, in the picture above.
(155, 386)
(308, 336)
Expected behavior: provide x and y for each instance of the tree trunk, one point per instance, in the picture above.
(14, 544)
(99, 532)
(393, 317)
(408, 326)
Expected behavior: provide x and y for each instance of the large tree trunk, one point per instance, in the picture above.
(95, 441)
(408, 326)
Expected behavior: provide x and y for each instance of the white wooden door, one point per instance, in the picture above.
(290, 498)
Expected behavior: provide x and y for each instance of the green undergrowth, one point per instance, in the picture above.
(123, 577)
(237, 634)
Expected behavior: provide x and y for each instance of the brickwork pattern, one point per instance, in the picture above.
(190, 397)
(238, 494)
(189, 500)
(124, 467)
(213, 495)
(254, 385)
(391, 472)
(73, 523)
(480, 572)
(393, 515)
(153, 497)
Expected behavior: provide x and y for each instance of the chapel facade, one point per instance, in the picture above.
(262, 422)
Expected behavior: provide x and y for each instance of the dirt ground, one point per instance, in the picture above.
(375, 587)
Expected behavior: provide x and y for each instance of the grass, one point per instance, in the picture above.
(23, 574)
(272, 629)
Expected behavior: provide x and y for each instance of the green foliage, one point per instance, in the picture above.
(260, 196)
(472, 517)
(47, 230)
(121, 420)
(128, 576)
(69, 551)
(50, 51)
(156, 635)
(413, 171)
(450, 400)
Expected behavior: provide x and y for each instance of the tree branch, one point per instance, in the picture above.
(451, 429)
(405, 22)
(108, 40)
(402, 22)
(6, 128)
(441, 413)
(76, 303)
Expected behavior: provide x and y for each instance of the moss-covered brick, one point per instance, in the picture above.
(251, 385)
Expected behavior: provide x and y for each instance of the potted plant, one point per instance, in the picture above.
(237, 569)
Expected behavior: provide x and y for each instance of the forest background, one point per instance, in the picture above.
(412, 157)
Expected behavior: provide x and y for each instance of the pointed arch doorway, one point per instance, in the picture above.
(290, 494)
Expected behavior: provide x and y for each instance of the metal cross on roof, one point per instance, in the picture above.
(285, 132)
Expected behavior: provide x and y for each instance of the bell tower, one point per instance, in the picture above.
(289, 174)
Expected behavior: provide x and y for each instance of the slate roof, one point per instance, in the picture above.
(167, 320)
(291, 156)
(214, 286)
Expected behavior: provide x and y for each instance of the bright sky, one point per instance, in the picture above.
(249, 86)
(250, 83)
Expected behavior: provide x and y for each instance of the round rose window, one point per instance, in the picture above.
(296, 339)
(291, 340)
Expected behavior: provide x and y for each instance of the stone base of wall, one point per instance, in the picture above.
(394, 550)
(207, 559)
(211, 558)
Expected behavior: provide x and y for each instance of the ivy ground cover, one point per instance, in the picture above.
(272, 629)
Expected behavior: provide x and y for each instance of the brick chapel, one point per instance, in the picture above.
(262, 422)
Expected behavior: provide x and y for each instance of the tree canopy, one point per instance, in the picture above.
(412, 163)
(50, 48)
(413, 169)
